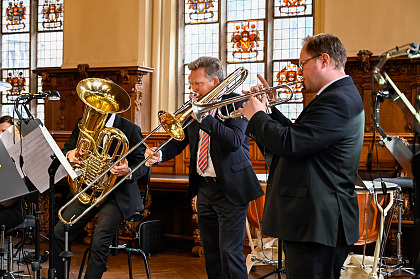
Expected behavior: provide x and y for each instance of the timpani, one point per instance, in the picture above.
(372, 203)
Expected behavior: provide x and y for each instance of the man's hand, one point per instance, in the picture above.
(73, 157)
(122, 169)
(253, 105)
(152, 159)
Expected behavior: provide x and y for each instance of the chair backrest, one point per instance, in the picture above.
(144, 182)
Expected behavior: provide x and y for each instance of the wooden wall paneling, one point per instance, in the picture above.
(62, 115)
(404, 72)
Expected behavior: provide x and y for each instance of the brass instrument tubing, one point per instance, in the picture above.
(121, 180)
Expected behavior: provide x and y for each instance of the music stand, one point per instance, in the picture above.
(42, 157)
(10, 176)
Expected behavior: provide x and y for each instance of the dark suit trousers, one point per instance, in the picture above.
(316, 261)
(12, 215)
(109, 219)
(222, 226)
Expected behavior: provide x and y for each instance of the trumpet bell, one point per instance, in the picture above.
(171, 125)
(103, 96)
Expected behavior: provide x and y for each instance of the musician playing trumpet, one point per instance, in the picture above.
(221, 175)
(311, 203)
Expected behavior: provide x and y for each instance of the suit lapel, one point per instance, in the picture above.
(194, 136)
(117, 124)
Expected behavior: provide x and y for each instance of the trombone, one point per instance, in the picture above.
(174, 125)
(200, 109)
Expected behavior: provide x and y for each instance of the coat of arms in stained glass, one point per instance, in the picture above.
(247, 44)
(18, 83)
(15, 16)
(201, 10)
(52, 14)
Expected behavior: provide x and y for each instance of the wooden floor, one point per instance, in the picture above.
(175, 262)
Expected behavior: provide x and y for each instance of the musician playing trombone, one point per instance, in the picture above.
(311, 203)
(221, 175)
(124, 202)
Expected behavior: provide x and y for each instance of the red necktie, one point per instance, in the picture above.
(204, 154)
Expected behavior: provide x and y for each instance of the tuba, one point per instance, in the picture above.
(101, 97)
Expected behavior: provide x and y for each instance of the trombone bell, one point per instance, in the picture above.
(171, 125)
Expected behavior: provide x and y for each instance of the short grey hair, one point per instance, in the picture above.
(213, 67)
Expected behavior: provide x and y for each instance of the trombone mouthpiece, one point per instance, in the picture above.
(195, 95)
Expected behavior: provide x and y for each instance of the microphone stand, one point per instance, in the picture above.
(413, 115)
(36, 265)
(51, 171)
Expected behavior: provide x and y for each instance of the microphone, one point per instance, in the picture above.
(26, 98)
(51, 95)
(415, 51)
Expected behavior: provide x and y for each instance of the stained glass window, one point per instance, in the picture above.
(18, 43)
(262, 38)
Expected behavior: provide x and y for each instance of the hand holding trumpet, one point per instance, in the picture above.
(254, 105)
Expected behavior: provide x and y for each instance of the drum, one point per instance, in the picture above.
(256, 207)
(369, 217)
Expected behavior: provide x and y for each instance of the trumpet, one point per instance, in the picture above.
(200, 109)
(174, 125)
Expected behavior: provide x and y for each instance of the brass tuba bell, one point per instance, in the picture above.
(102, 98)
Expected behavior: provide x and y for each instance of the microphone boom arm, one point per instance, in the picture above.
(390, 89)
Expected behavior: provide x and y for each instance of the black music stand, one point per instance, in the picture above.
(42, 158)
(10, 176)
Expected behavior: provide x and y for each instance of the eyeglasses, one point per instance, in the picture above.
(303, 63)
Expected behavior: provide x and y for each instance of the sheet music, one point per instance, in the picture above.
(10, 136)
(36, 149)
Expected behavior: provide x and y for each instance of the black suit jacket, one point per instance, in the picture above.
(229, 151)
(127, 193)
(314, 167)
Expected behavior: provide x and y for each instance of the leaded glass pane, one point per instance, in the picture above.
(287, 8)
(245, 9)
(245, 41)
(40, 113)
(286, 73)
(187, 86)
(8, 110)
(199, 11)
(50, 15)
(15, 50)
(288, 35)
(50, 49)
(15, 16)
(253, 70)
(201, 40)
(19, 80)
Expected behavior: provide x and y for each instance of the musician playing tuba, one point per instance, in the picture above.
(125, 201)
(221, 175)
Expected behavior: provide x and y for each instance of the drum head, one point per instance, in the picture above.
(377, 186)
